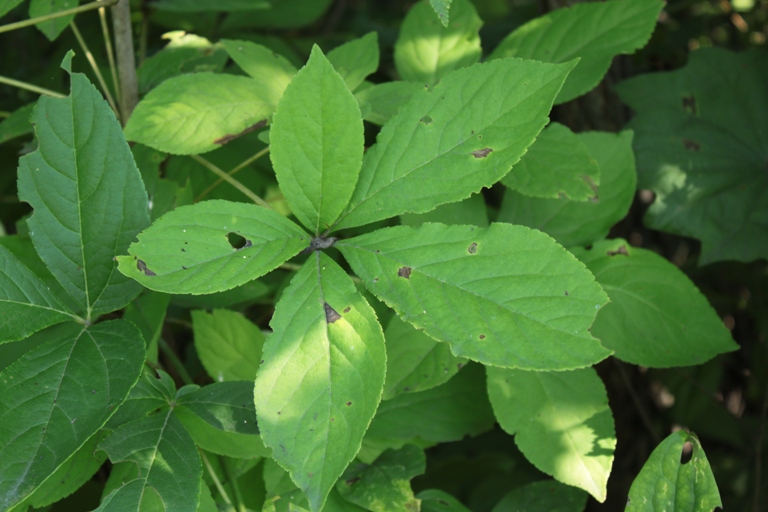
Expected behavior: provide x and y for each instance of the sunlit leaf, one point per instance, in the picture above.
(228, 344)
(356, 59)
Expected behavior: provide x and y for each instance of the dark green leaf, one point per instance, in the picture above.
(190, 250)
(471, 211)
(17, 124)
(53, 27)
(705, 158)
(147, 312)
(380, 102)
(245, 293)
(435, 500)
(88, 199)
(544, 496)
(54, 398)
(151, 393)
(356, 59)
(657, 317)
(7, 5)
(209, 5)
(228, 344)
(504, 295)
(282, 14)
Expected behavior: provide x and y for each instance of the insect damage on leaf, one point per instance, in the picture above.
(238, 242)
(404, 272)
(232, 136)
(621, 250)
(331, 315)
(472, 249)
(143, 267)
(482, 153)
(318, 244)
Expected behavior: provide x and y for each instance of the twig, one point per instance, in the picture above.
(232, 181)
(110, 50)
(232, 173)
(215, 479)
(95, 67)
(233, 483)
(126, 62)
(30, 87)
(54, 15)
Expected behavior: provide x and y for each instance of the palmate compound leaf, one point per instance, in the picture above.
(561, 422)
(27, 304)
(701, 147)
(504, 295)
(190, 249)
(665, 483)
(322, 376)
(448, 142)
(657, 317)
(316, 144)
(427, 49)
(88, 199)
(57, 396)
(595, 32)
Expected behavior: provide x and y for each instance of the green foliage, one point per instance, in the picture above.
(231, 356)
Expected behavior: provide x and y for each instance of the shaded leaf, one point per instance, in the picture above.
(210, 5)
(557, 165)
(385, 484)
(594, 32)
(262, 64)
(435, 500)
(470, 211)
(665, 483)
(316, 144)
(705, 157)
(504, 295)
(52, 27)
(190, 114)
(544, 496)
(428, 48)
(81, 219)
(561, 422)
(152, 393)
(356, 59)
(582, 222)
(189, 249)
(7, 5)
(416, 362)
(657, 317)
(322, 376)
(17, 124)
(380, 102)
(449, 142)
(245, 293)
(147, 312)
(228, 344)
(54, 398)
(282, 14)
(448, 412)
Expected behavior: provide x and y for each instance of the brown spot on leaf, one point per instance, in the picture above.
(404, 272)
(348, 404)
(689, 104)
(331, 315)
(183, 250)
(482, 336)
(621, 250)
(472, 249)
(482, 153)
(691, 144)
(143, 267)
(230, 137)
(347, 310)
(566, 293)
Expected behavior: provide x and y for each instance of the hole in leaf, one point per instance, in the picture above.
(331, 315)
(687, 453)
(347, 310)
(404, 272)
(238, 242)
(621, 250)
(426, 120)
(482, 153)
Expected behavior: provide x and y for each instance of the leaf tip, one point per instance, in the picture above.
(66, 63)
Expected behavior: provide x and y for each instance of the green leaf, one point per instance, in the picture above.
(82, 219)
(27, 304)
(190, 250)
(57, 396)
(442, 8)
(385, 485)
(582, 222)
(282, 14)
(435, 500)
(17, 124)
(595, 32)
(657, 317)
(380, 102)
(53, 27)
(243, 294)
(209, 5)
(416, 362)
(221, 419)
(427, 48)
(702, 156)
(228, 344)
(504, 295)
(7, 5)
(322, 376)
(471, 211)
(449, 142)
(149, 394)
(316, 144)
(557, 165)
(448, 412)
(192, 114)
(356, 59)
(185, 53)
(262, 64)
(544, 496)
(147, 312)
(561, 422)
(665, 483)
(169, 469)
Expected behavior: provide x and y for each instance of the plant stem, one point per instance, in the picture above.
(232, 181)
(290, 266)
(110, 50)
(30, 87)
(54, 15)
(126, 62)
(95, 67)
(175, 361)
(233, 483)
(215, 479)
(4, 113)
(232, 173)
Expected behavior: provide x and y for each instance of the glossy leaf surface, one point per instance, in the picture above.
(504, 295)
